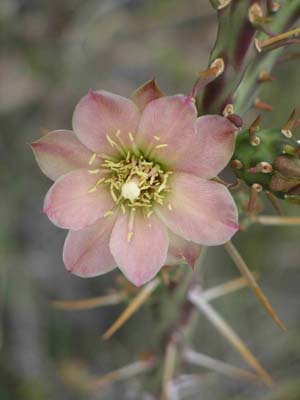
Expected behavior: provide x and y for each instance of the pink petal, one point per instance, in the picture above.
(166, 126)
(69, 204)
(147, 92)
(200, 210)
(212, 147)
(182, 251)
(60, 152)
(101, 113)
(86, 252)
(142, 257)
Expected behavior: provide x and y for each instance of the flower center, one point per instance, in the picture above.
(135, 181)
(130, 190)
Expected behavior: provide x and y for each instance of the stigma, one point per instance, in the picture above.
(131, 191)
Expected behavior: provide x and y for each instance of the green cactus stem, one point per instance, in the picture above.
(236, 42)
(269, 159)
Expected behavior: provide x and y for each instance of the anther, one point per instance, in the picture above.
(131, 224)
(149, 214)
(110, 141)
(129, 236)
(92, 159)
(160, 146)
(108, 213)
(114, 144)
(99, 181)
(93, 171)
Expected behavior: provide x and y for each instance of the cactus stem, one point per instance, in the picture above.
(263, 167)
(254, 127)
(255, 189)
(236, 164)
(286, 130)
(215, 69)
(261, 105)
(265, 76)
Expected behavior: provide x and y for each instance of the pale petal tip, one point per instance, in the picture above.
(138, 281)
(92, 94)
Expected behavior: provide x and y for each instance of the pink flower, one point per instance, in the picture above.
(132, 183)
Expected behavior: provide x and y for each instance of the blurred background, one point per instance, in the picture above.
(52, 52)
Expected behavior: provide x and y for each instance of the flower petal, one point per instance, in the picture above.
(212, 147)
(200, 210)
(147, 92)
(86, 252)
(141, 257)
(60, 152)
(101, 113)
(70, 205)
(166, 126)
(182, 251)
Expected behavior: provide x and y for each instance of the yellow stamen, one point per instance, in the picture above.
(113, 195)
(114, 144)
(92, 159)
(110, 141)
(93, 171)
(100, 181)
(160, 146)
(129, 236)
(149, 214)
(108, 213)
